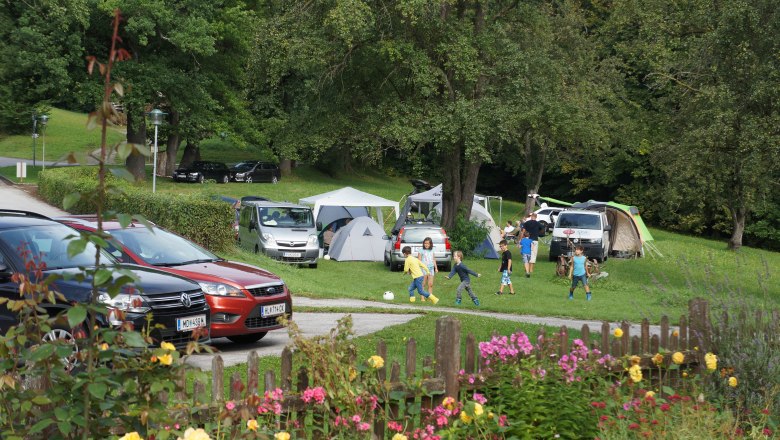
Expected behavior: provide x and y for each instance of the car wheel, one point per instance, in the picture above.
(312, 265)
(247, 339)
(386, 261)
(60, 335)
(225, 179)
(552, 257)
(201, 178)
(274, 180)
(248, 179)
(257, 249)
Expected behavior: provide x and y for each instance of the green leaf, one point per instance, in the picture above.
(134, 339)
(40, 426)
(124, 219)
(76, 247)
(122, 173)
(65, 427)
(61, 413)
(667, 390)
(41, 400)
(71, 199)
(76, 315)
(98, 390)
(101, 276)
(42, 352)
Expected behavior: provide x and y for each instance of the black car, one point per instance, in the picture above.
(176, 303)
(255, 171)
(201, 170)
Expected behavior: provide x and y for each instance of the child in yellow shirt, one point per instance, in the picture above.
(415, 267)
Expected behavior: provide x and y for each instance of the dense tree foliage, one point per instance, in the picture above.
(667, 105)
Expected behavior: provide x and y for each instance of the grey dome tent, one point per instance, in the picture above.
(360, 240)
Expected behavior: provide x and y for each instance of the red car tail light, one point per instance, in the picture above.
(398, 240)
(447, 244)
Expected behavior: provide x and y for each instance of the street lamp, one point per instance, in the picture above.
(35, 132)
(156, 117)
(43, 119)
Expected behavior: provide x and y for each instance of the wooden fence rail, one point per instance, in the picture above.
(694, 330)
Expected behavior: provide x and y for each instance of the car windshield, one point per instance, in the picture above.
(579, 221)
(244, 166)
(162, 248)
(283, 217)
(49, 245)
(418, 235)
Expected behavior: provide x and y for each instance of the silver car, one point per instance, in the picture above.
(412, 235)
(283, 231)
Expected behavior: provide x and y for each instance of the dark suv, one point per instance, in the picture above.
(199, 171)
(255, 171)
(176, 303)
(412, 235)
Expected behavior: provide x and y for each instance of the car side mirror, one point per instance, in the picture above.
(385, 237)
(5, 274)
(608, 228)
(319, 226)
(394, 232)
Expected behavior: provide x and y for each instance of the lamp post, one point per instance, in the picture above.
(34, 134)
(156, 118)
(43, 119)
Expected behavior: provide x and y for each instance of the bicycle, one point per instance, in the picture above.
(565, 261)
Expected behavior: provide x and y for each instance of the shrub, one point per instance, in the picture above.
(202, 220)
(467, 235)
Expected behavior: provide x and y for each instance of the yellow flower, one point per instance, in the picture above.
(618, 333)
(675, 333)
(478, 410)
(168, 346)
(251, 425)
(678, 358)
(448, 403)
(399, 436)
(465, 418)
(635, 372)
(352, 374)
(195, 434)
(711, 361)
(685, 374)
(376, 362)
(282, 436)
(635, 360)
(491, 415)
(166, 359)
(658, 359)
(131, 436)
(733, 381)
(649, 394)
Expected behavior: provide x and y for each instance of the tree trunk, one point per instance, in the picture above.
(285, 165)
(172, 145)
(535, 156)
(136, 162)
(191, 154)
(458, 187)
(738, 215)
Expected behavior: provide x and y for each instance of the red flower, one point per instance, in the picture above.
(764, 411)
(767, 432)
(633, 426)
(665, 407)
(621, 416)
(654, 422)
(604, 418)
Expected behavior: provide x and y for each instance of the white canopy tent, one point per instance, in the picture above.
(350, 197)
(433, 196)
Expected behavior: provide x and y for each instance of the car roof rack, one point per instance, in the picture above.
(20, 213)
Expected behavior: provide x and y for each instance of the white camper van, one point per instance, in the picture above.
(579, 227)
(283, 231)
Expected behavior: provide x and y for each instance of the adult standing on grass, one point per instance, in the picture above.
(505, 269)
(415, 268)
(534, 228)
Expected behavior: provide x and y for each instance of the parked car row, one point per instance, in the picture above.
(184, 287)
(246, 171)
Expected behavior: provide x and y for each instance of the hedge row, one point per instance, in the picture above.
(203, 220)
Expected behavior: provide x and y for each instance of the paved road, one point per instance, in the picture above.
(12, 197)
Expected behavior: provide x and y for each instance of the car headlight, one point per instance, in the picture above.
(240, 174)
(125, 302)
(268, 237)
(193, 174)
(557, 239)
(220, 289)
(313, 239)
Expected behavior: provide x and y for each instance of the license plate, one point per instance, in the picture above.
(292, 254)
(190, 322)
(273, 310)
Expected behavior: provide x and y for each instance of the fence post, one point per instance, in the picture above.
(665, 332)
(217, 379)
(448, 354)
(286, 369)
(700, 325)
(252, 380)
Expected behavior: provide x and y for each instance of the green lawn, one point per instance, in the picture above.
(66, 132)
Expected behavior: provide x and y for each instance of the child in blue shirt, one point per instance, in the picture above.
(465, 281)
(579, 272)
(526, 249)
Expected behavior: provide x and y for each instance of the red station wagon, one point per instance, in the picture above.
(245, 300)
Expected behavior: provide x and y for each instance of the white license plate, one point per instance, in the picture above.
(190, 322)
(292, 254)
(273, 310)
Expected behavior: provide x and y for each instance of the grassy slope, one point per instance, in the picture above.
(66, 132)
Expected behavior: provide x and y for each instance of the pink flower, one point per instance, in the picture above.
(356, 418)
(502, 421)
(767, 432)
(442, 421)
(315, 394)
(394, 426)
(230, 406)
(363, 427)
(479, 398)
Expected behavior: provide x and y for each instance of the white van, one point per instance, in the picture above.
(283, 231)
(579, 227)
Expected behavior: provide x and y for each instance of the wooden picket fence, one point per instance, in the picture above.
(693, 331)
